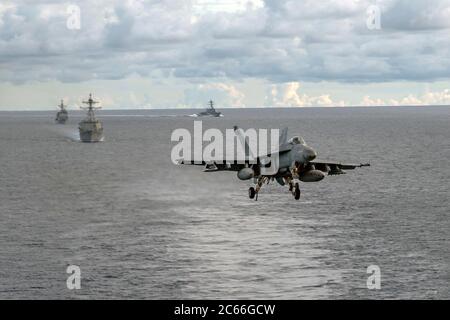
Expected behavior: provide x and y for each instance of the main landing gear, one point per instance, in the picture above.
(294, 188)
(253, 191)
(296, 192)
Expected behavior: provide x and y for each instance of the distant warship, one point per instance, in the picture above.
(210, 112)
(91, 129)
(62, 116)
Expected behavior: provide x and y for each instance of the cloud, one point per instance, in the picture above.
(429, 98)
(224, 95)
(278, 40)
(417, 15)
(207, 6)
(288, 95)
(368, 101)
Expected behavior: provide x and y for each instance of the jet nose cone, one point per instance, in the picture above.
(310, 154)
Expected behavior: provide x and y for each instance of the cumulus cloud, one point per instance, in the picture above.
(213, 46)
(277, 40)
(429, 98)
(288, 95)
(368, 101)
(224, 95)
(417, 15)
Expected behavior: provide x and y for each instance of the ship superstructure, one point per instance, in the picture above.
(62, 116)
(91, 129)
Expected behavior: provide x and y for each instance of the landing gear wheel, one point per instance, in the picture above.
(297, 192)
(251, 192)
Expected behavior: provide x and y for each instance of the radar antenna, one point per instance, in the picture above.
(90, 108)
(62, 106)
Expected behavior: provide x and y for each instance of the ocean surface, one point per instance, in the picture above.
(140, 227)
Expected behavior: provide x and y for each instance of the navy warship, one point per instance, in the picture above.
(91, 129)
(210, 112)
(62, 116)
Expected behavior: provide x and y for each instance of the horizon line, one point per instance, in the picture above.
(239, 108)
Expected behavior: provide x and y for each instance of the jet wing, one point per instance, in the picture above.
(225, 165)
(213, 166)
(334, 168)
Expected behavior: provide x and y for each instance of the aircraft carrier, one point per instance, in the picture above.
(91, 129)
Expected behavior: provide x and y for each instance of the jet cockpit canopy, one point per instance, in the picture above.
(297, 140)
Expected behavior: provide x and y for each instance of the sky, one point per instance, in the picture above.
(240, 53)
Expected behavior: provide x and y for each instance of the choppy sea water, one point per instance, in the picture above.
(140, 227)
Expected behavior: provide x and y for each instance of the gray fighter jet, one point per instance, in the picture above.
(297, 162)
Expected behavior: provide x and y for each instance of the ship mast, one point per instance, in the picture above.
(62, 106)
(90, 108)
(211, 104)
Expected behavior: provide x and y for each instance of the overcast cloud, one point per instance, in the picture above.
(209, 49)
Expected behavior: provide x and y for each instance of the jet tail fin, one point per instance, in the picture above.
(283, 136)
(241, 136)
(282, 140)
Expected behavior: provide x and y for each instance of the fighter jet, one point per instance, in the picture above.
(296, 162)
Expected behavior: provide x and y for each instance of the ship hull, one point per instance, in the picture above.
(61, 121)
(91, 136)
(61, 117)
(91, 131)
(199, 115)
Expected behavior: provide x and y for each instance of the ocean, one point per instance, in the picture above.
(140, 227)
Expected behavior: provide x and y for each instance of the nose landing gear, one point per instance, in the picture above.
(296, 192)
(294, 188)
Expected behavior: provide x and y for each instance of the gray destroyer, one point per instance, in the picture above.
(210, 112)
(91, 129)
(62, 116)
